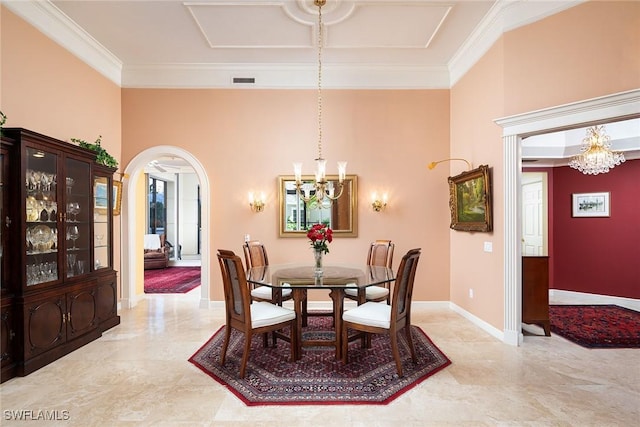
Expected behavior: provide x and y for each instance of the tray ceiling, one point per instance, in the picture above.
(368, 43)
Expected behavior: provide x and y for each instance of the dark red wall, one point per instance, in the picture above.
(597, 255)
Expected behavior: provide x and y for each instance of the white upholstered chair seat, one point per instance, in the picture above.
(377, 314)
(371, 292)
(265, 314)
(266, 293)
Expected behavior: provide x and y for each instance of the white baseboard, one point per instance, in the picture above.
(488, 328)
(558, 296)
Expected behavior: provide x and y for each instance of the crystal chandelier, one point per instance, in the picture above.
(321, 187)
(596, 155)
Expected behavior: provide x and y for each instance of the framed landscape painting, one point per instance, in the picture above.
(590, 204)
(470, 200)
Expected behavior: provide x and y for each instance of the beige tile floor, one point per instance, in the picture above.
(137, 374)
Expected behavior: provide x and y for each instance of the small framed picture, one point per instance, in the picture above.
(590, 204)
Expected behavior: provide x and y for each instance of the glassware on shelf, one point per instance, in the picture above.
(71, 263)
(73, 234)
(41, 238)
(41, 272)
(70, 182)
(51, 208)
(32, 209)
(73, 208)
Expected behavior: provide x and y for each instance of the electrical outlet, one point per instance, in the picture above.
(247, 238)
(470, 293)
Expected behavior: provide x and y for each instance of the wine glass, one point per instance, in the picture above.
(73, 234)
(74, 208)
(71, 262)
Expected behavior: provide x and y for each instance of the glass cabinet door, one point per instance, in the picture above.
(101, 216)
(42, 216)
(78, 217)
(4, 216)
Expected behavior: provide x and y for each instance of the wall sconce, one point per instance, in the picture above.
(377, 204)
(434, 164)
(257, 204)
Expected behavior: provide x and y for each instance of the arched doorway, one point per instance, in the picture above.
(131, 259)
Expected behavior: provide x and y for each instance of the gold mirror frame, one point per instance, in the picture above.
(349, 199)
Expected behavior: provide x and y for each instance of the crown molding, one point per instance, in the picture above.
(284, 76)
(53, 23)
(504, 15)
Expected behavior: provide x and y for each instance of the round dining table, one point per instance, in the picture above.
(303, 278)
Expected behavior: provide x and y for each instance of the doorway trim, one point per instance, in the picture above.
(599, 110)
(131, 259)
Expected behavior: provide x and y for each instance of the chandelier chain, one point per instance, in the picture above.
(320, 42)
(321, 189)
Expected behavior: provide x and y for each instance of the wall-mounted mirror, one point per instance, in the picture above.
(296, 216)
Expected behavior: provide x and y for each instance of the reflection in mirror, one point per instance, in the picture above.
(296, 216)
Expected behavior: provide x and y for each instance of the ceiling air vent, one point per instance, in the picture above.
(244, 80)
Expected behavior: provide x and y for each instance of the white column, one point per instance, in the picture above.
(512, 248)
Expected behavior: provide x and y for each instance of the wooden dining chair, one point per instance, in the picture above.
(380, 254)
(246, 317)
(382, 318)
(255, 255)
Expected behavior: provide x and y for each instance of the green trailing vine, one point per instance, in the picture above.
(102, 156)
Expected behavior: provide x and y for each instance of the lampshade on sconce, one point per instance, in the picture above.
(378, 204)
(256, 202)
(596, 156)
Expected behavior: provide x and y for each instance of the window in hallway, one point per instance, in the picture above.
(157, 206)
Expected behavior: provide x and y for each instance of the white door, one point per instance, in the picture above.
(534, 214)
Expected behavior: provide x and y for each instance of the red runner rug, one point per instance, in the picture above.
(596, 326)
(171, 280)
(318, 378)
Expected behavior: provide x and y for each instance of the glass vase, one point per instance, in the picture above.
(317, 253)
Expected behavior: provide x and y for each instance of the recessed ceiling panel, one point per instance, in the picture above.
(391, 25)
(249, 26)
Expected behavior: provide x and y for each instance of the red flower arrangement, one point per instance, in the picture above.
(320, 235)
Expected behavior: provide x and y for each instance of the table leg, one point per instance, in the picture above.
(337, 295)
(298, 298)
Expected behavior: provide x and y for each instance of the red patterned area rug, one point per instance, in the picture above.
(597, 326)
(318, 378)
(171, 280)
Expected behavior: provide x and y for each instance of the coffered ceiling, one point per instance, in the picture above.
(208, 43)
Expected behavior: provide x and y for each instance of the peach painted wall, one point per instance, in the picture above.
(48, 90)
(584, 52)
(246, 138)
(475, 101)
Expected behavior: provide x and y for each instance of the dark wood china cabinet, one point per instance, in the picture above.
(59, 288)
